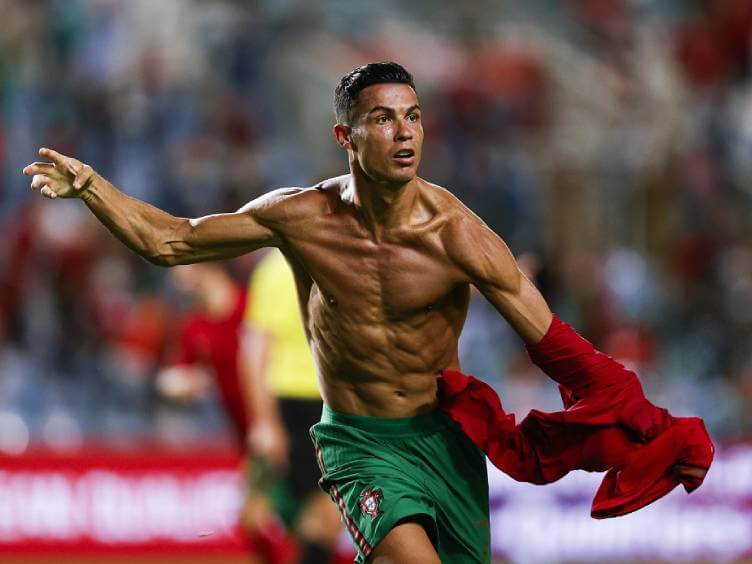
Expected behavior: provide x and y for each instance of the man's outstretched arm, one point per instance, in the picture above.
(157, 236)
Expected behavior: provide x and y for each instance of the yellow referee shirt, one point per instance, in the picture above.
(273, 309)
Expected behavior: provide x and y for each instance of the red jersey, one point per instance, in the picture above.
(215, 343)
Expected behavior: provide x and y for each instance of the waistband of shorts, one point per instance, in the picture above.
(388, 427)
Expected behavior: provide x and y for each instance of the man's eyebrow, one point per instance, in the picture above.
(384, 109)
(381, 109)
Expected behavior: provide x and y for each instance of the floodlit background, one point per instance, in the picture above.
(609, 142)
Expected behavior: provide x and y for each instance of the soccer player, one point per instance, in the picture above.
(208, 344)
(208, 352)
(383, 262)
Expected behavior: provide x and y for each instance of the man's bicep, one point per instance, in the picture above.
(221, 236)
(491, 267)
(227, 235)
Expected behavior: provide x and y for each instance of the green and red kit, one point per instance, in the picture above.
(383, 472)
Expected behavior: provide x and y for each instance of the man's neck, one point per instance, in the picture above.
(383, 206)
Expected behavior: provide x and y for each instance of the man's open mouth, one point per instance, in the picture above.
(404, 156)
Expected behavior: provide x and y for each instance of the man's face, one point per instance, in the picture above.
(187, 278)
(387, 133)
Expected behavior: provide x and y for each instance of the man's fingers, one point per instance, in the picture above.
(38, 168)
(48, 192)
(42, 182)
(53, 155)
(39, 181)
(59, 173)
(63, 163)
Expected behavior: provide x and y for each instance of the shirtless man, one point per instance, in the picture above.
(383, 262)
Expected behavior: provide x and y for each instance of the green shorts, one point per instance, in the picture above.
(381, 472)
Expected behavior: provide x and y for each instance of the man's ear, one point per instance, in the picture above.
(343, 135)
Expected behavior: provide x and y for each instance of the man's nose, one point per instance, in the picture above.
(403, 132)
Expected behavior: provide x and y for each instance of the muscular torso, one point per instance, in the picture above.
(382, 277)
(383, 313)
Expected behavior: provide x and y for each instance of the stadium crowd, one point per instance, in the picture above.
(609, 142)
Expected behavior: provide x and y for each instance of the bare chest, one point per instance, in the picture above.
(393, 278)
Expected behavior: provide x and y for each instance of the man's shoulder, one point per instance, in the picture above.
(461, 231)
(291, 204)
(454, 214)
(333, 186)
(437, 193)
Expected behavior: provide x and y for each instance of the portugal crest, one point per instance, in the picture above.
(369, 502)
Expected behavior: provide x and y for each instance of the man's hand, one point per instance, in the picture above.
(267, 439)
(182, 384)
(64, 177)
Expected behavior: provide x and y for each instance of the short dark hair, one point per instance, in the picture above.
(346, 92)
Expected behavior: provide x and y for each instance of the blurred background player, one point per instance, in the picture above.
(285, 401)
(208, 344)
(207, 353)
(269, 375)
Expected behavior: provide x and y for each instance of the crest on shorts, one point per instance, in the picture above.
(369, 502)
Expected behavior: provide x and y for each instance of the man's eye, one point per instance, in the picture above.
(413, 117)
(382, 119)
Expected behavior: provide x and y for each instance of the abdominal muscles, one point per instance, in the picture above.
(375, 364)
